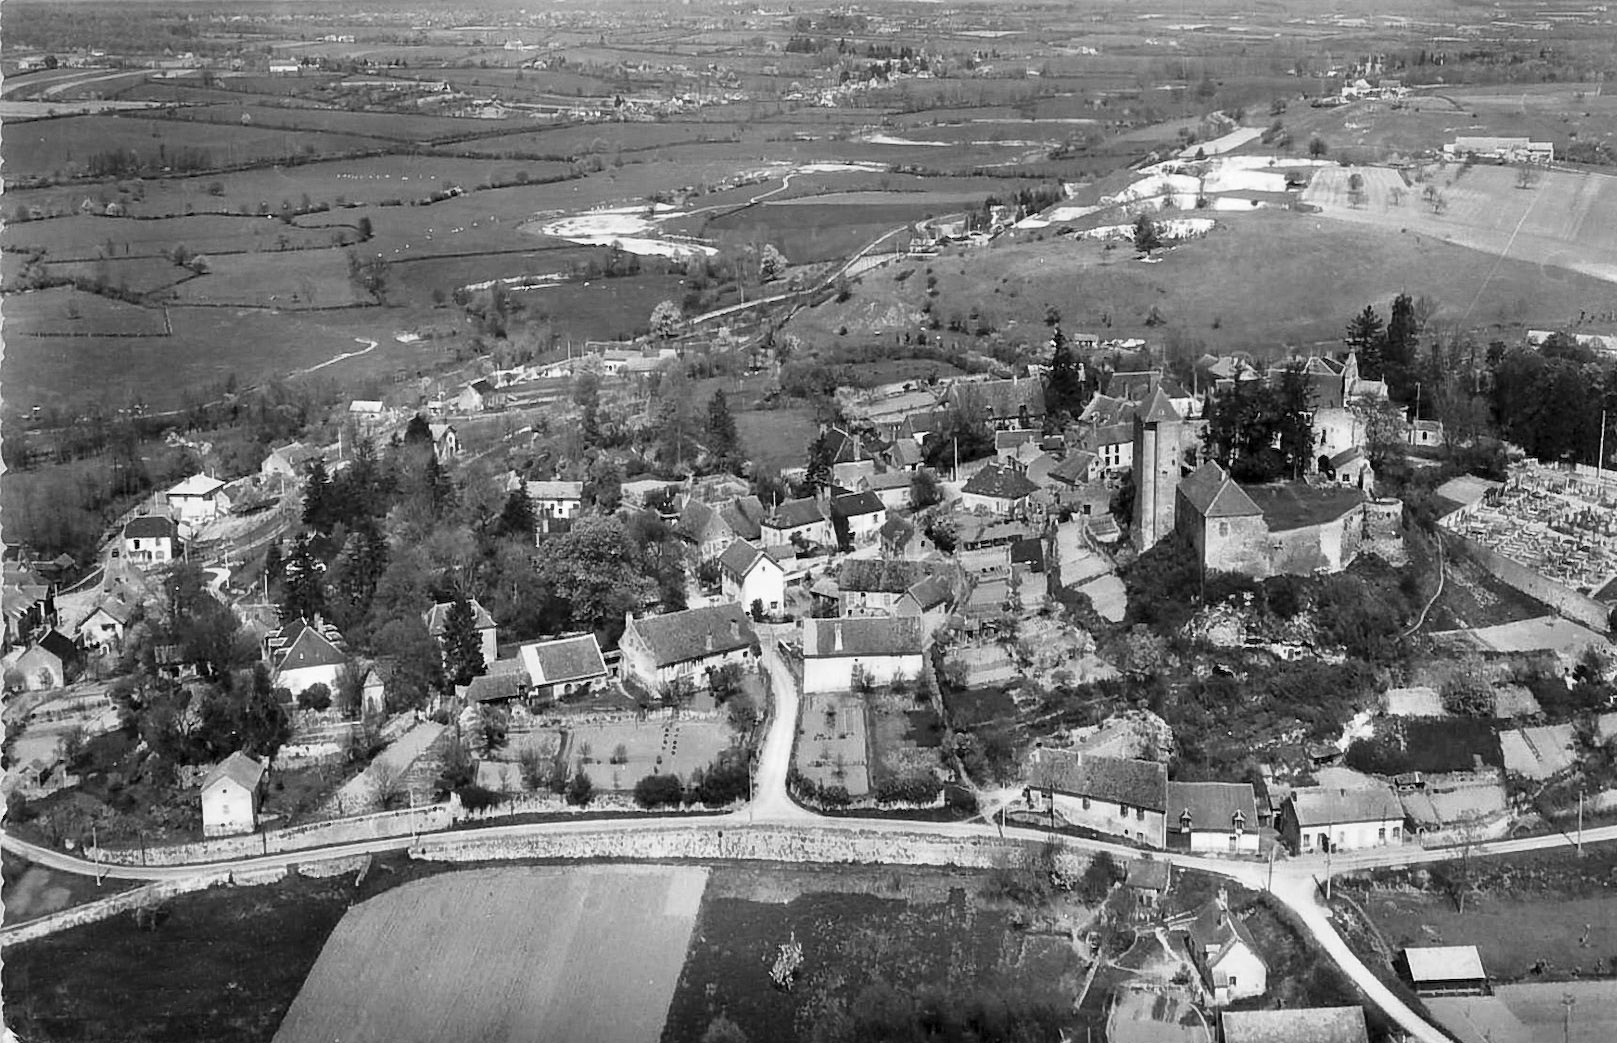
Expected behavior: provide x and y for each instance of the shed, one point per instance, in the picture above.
(230, 796)
(1444, 970)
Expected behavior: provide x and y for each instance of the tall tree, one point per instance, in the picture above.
(318, 511)
(722, 440)
(676, 421)
(1063, 385)
(463, 646)
(1401, 341)
(418, 432)
(1294, 399)
(1366, 335)
(517, 519)
(303, 592)
(820, 456)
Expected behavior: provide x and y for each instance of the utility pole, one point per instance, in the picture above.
(1580, 823)
(1600, 457)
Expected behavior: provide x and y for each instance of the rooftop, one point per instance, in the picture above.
(1001, 483)
(563, 659)
(1212, 805)
(794, 514)
(1328, 805)
(880, 575)
(861, 636)
(238, 768)
(1436, 963)
(1137, 783)
(677, 637)
(1294, 506)
(150, 526)
(1296, 1025)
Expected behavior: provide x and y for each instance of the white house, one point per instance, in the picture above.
(750, 575)
(150, 540)
(687, 646)
(555, 502)
(1214, 816)
(230, 796)
(862, 513)
(804, 519)
(103, 628)
(1223, 951)
(1116, 795)
(1326, 818)
(283, 68)
(309, 657)
(997, 488)
(891, 487)
(196, 500)
(836, 651)
(931, 600)
(445, 440)
(290, 461)
(373, 693)
(437, 618)
(563, 666)
(874, 586)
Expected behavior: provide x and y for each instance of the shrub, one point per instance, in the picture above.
(580, 790)
(315, 697)
(620, 754)
(835, 796)
(919, 788)
(959, 798)
(477, 798)
(725, 781)
(655, 791)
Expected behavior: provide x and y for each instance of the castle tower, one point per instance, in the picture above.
(1158, 462)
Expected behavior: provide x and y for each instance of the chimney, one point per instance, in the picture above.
(837, 643)
(710, 642)
(1223, 899)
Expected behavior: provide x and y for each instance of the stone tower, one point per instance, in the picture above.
(1158, 460)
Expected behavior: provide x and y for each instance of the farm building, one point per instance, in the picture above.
(555, 504)
(1295, 1025)
(1117, 795)
(839, 652)
(752, 575)
(1320, 818)
(150, 540)
(230, 796)
(1502, 150)
(795, 521)
(196, 500)
(1225, 954)
(1444, 970)
(563, 666)
(445, 440)
(478, 396)
(373, 692)
(436, 619)
(686, 647)
(1214, 816)
(290, 461)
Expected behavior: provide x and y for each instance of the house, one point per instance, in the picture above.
(477, 396)
(504, 686)
(1223, 952)
(445, 440)
(1444, 970)
(837, 652)
(196, 500)
(873, 586)
(373, 692)
(1504, 150)
(931, 601)
(103, 628)
(1214, 816)
(861, 514)
(1327, 818)
(305, 655)
(1295, 1025)
(685, 647)
(46, 664)
(997, 488)
(1148, 881)
(798, 521)
(1016, 402)
(563, 666)
(289, 462)
(1426, 432)
(1268, 530)
(437, 620)
(231, 792)
(853, 457)
(150, 540)
(1117, 795)
(283, 68)
(1350, 467)
(892, 488)
(751, 576)
(555, 504)
(1006, 443)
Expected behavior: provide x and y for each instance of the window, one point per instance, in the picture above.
(1123, 810)
(1381, 835)
(1397, 834)
(1223, 528)
(1139, 813)
(1231, 981)
(1308, 841)
(1086, 803)
(1232, 841)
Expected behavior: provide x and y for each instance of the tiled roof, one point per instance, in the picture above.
(905, 453)
(310, 648)
(437, 617)
(1012, 439)
(744, 515)
(489, 688)
(1214, 494)
(1295, 1025)
(1003, 483)
(1327, 805)
(861, 636)
(1004, 398)
(739, 557)
(1215, 932)
(239, 768)
(149, 526)
(555, 491)
(1444, 963)
(1212, 805)
(794, 514)
(1293, 506)
(197, 485)
(880, 575)
(853, 505)
(1137, 783)
(564, 659)
(1074, 470)
(696, 632)
(931, 592)
(1159, 408)
(888, 480)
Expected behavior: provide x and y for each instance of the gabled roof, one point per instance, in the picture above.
(1292, 505)
(905, 453)
(1345, 457)
(1158, 408)
(114, 607)
(491, 687)
(437, 617)
(481, 386)
(744, 515)
(923, 423)
(1214, 494)
(931, 592)
(1012, 439)
(555, 491)
(1217, 933)
(888, 479)
(150, 527)
(310, 648)
(741, 557)
(1212, 805)
(676, 637)
(1137, 783)
(1329, 805)
(1000, 483)
(794, 514)
(1436, 963)
(851, 446)
(880, 575)
(296, 453)
(854, 505)
(196, 485)
(1004, 398)
(700, 522)
(1074, 470)
(1295, 1025)
(862, 636)
(59, 645)
(238, 768)
(563, 659)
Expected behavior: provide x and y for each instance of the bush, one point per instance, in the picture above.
(726, 780)
(620, 754)
(580, 790)
(477, 798)
(919, 788)
(315, 697)
(656, 791)
(959, 798)
(835, 796)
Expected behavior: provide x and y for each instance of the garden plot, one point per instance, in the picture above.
(617, 755)
(564, 953)
(832, 742)
(1539, 753)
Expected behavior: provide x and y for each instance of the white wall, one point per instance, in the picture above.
(304, 677)
(764, 583)
(1354, 836)
(835, 674)
(1214, 841)
(1104, 816)
(226, 809)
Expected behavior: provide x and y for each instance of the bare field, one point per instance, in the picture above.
(519, 953)
(1562, 221)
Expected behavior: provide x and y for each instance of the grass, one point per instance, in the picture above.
(834, 726)
(675, 748)
(971, 707)
(65, 146)
(777, 438)
(68, 314)
(223, 964)
(32, 891)
(89, 237)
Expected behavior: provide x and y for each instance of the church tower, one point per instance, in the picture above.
(1158, 461)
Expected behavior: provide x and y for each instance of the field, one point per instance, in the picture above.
(71, 316)
(863, 934)
(66, 145)
(675, 747)
(505, 954)
(832, 746)
(1562, 223)
(32, 891)
(777, 438)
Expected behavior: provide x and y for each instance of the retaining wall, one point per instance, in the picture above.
(297, 838)
(1579, 608)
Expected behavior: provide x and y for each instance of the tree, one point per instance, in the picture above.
(316, 697)
(1399, 344)
(303, 593)
(418, 433)
(413, 666)
(318, 506)
(1384, 429)
(580, 790)
(1317, 146)
(1526, 176)
(517, 518)
(771, 263)
(1366, 335)
(463, 645)
(817, 473)
(1295, 400)
(596, 572)
(350, 693)
(1063, 385)
(1147, 236)
(264, 724)
(722, 440)
(666, 319)
(369, 275)
(676, 417)
(1466, 691)
(655, 791)
(924, 488)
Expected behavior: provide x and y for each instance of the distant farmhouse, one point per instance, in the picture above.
(1501, 150)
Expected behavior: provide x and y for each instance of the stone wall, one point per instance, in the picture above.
(1579, 608)
(399, 823)
(108, 907)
